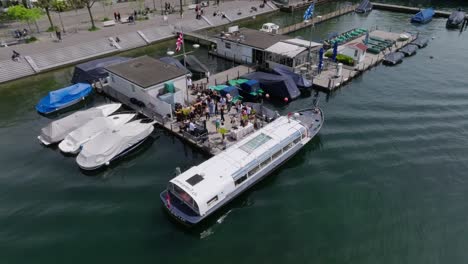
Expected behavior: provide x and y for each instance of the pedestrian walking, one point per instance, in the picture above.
(15, 56)
(58, 33)
(115, 17)
(222, 113)
(118, 17)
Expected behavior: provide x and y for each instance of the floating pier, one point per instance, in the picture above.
(317, 20)
(327, 79)
(408, 10)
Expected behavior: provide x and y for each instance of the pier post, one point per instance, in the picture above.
(329, 83)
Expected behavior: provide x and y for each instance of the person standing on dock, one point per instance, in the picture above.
(221, 111)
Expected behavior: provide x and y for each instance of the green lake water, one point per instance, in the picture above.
(385, 181)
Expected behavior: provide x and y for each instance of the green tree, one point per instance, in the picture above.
(28, 15)
(89, 4)
(46, 5)
(59, 6)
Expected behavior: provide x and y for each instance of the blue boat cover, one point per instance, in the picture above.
(231, 90)
(172, 61)
(275, 85)
(64, 97)
(423, 16)
(92, 71)
(250, 86)
(297, 78)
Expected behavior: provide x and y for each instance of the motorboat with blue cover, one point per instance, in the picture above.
(393, 58)
(203, 189)
(456, 19)
(276, 85)
(409, 50)
(299, 80)
(57, 130)
(364, 7)
(423, 16)
(113, 143)
(63, 98)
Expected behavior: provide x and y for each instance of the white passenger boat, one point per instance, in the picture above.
(113, 143)
(73, 141)
(58, 129)
(198, 192)
(270, 28)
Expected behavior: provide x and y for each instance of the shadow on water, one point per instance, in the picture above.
(126, 159)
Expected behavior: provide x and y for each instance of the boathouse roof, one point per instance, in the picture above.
(357, 45)
(254, 38)
(145, 71)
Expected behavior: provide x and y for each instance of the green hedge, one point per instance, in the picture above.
(347, 60)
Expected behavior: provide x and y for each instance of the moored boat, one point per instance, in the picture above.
(456, 19)
(113, 143)
(423, 16)
(63, 98)
(409, 50)
(75, 139)
(364, 7)
(393, 58)
(56, 130)
(200, 191)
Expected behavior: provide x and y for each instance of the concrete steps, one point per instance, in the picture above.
(55, 58)
(131, 40)
(10, 70)
(157, 33)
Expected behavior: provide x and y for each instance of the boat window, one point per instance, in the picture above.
(254, 170)
(265, 162)
(212, 200)
(133, 87)
(241, 180)
(184, 196)
(112, 78)
(255, 142)
(276, 155)
(194, 179)
(297, 140)
(227, 45)
(287, 147)
(303, 136)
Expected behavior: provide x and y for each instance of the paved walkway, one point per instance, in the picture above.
(47, 53)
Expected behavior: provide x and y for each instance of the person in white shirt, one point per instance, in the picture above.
(191, 126)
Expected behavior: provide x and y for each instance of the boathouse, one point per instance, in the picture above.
(148, 82)
(256, 47)
(355, 50)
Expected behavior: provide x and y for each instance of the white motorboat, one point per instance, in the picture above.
(113, 143)
(73, 141)
(58, 129)
(270, 28)
(201, 190)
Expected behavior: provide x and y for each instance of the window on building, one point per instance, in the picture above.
(355, 53)
(212, 200)
(227, 45)
(240, 180)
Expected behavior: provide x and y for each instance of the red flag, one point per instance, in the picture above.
(179, 42)
(168, 199)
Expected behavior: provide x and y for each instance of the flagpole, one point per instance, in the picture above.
(185, 66)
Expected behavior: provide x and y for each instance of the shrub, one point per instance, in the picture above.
(93, 29)
(31, 39)
(347, 60)
(105, 19)
(328, 54)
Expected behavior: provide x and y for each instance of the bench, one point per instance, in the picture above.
(108, 23)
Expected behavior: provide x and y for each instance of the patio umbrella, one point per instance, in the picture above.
(335, 51)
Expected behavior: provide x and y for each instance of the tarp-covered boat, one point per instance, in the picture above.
(62, 98)
(300, 80)
(456, 19)
(92, 71)
(250, 89)
(421, 42)
(393, 58)
(364, 7)
(113, 143)
(75, 139)
(58, 129)
(276, 85)
(423, 16)
(172, 61)
(196, 66)
(409, 50)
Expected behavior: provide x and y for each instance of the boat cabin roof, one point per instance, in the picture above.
(217, 174)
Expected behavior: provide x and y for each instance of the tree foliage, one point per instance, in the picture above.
(19, 12)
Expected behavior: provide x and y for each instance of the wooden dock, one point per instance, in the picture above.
(327, 81)
(300, 5)
(223, 77)
(317, 20)
(407, 9)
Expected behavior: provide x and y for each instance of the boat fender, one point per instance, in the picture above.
(107, 163)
